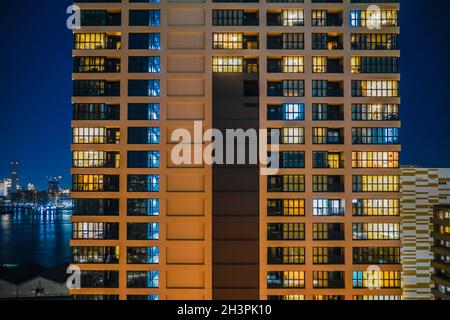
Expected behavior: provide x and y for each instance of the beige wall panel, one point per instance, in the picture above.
(171, 164)
(185, 207)
(185, 279)
(171, 130)
(186, 230)
(186, 40)
(186, 17)
(185, 255)
(185, 183)
(185, 64)
(185, 111)
(186, 87)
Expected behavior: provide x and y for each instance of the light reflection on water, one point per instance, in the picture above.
(35, 237)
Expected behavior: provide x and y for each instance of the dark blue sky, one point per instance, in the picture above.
(35, 86)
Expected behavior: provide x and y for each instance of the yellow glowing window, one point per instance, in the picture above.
(379, 88)
(293, 255)
(228, 64)
(379, 18)
(333, 161)
(371, 159)
(376, 279)
(376, 207)
(356, 64)
(89, 135)
(380, 183)
(92, 64)
(320, 64)
(293, 17)
(294, 207)
(227, 40)
(376, 231)
(87, 182)
(293, 136)
(89, 159)
(90, 41)
(294, 279)
(320, 255)
(293, 64)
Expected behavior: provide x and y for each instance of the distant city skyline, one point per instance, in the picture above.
(26, 184)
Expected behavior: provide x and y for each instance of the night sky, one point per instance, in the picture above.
(35, 87)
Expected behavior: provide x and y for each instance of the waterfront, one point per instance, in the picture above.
(38, 237)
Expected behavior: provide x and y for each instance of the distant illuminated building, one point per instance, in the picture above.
(5, 186)
(14, 176)
(31, 187)
(53, 184)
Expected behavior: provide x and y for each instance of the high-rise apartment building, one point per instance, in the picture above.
(423, 189)
(322, 76)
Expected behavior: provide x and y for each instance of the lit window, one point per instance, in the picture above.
(376, 279)
(228, 64)
(320, 64)
(293, 64)
(376, 183)
(376, 207)
(376, 231)
(293, 111)
(374, 18)
(228, 40)
(372, 159)
(293, 17)
(292, 136)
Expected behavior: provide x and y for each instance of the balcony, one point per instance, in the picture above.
(96, 65)
(328, 231)
(96, 207)
(323, 18)
(285, 256)
(95, 183)
(328, 112)
(285, 231)
(328, 280)
(291, 18)
(328, 207)
(328, 135)
(96, 88)
(328, 160)
(325, 88)
(328, 255)
(328, 65)
(286, 41)
(286, 88)
(324, 41)
(100, 18)
(95, 159)
(97, 41)
(99, 279)
(324, 183)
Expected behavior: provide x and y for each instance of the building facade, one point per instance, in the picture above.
(421, 190)
(322, 76)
